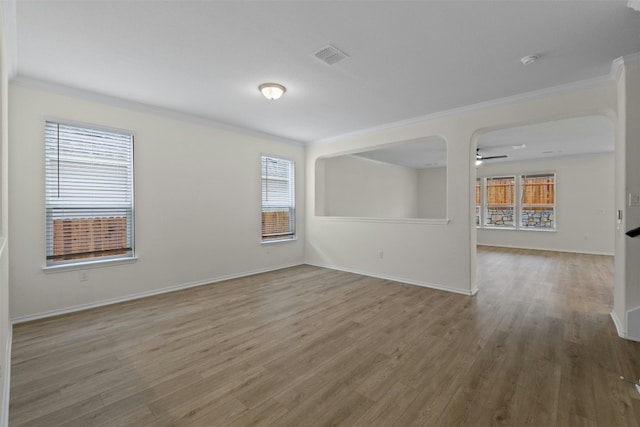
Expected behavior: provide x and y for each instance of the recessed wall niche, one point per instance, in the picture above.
(400, 180)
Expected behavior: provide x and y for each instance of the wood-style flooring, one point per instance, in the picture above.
(307, 346)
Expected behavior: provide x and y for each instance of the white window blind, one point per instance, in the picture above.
(89, 194)
(278, 199)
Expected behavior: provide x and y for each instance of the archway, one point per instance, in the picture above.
(572, 158)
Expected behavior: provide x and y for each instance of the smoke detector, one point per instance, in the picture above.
(529, 59)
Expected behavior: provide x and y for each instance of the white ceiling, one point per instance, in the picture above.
(420, 154)
(566, 137)
(407, 58)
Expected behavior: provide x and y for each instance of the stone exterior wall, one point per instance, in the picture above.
(531, 218)
(538, 218)
(500, 217)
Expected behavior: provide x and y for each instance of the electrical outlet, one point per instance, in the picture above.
(84, 276)
(380, 254)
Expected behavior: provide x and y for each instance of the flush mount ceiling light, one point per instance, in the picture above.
(272, 91)
(529, 59)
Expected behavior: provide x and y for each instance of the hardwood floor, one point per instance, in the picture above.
(307, 346)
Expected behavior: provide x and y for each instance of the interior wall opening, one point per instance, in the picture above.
(405, 179)
(546, 186)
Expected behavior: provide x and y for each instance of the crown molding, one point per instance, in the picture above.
(605, 80)
(618, 63)
(48, 86)
(632, 59)
(616, 68)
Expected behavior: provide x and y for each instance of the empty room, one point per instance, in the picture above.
(314, 213)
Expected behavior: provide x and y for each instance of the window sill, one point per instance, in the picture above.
(535, 230)
(540, 230)
(88, 264)
(428, 221)
(276, 241)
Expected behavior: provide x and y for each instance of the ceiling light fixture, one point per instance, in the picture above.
(529, 59)
(272, 91)
(518, 147)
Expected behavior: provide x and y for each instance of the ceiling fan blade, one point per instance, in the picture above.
(503, 156)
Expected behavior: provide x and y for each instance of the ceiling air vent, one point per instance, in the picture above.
(330, 54)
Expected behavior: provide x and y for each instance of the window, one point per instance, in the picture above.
(535, 203)
(89, 194)
(278, 199)
(500, 201)
(537, 209)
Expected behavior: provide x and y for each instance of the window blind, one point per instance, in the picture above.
(278, 199)
(89, 193)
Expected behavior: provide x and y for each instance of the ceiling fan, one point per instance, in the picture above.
(480, 157)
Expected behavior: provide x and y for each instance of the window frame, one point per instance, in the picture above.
(292, 235)
(512, 206)
(521, 178)
(90, 261)
(518, 201)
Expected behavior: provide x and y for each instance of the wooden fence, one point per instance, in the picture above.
(89, 237)
(500, 192)
(275, 224)
(535, 192)
(538, 192)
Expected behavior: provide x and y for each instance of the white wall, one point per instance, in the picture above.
(619, 308)
(430, 252)
(432, 193)
(359, 187)
(5, 325)
(197, 204)
(585, 205)
(632, 134)
(627, 268)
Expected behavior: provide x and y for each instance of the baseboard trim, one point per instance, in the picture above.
(621, 332)
(544, 249)
(398, 279)
(82, 307)
(631, 338)
(6, 380)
